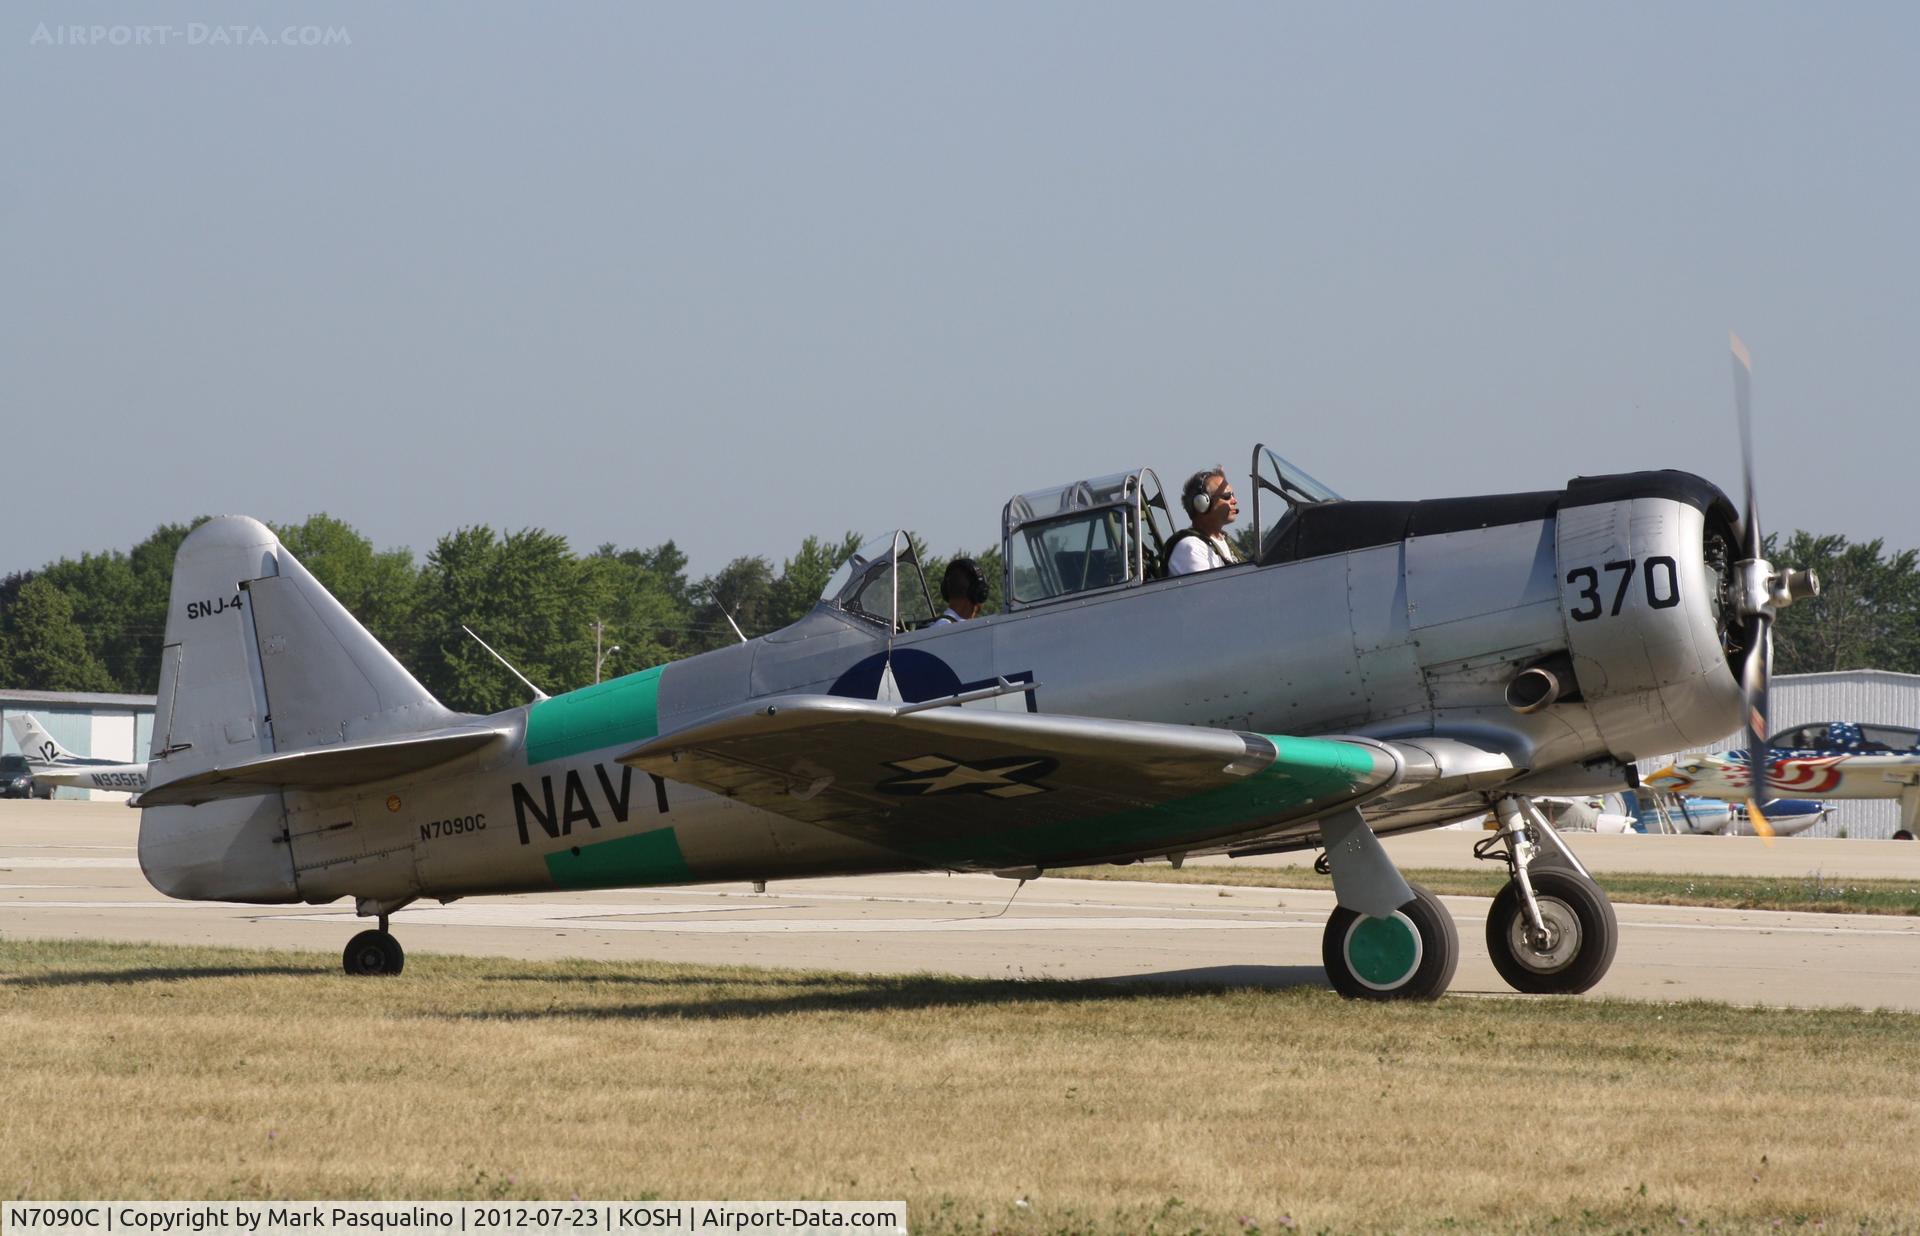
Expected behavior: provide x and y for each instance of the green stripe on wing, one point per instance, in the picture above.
(1306, 772)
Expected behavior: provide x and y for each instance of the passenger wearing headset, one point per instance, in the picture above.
(1210, 504)
(964, 591)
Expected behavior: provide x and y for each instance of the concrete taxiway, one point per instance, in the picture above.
(69, 870)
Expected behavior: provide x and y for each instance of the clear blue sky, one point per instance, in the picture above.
(731, 274)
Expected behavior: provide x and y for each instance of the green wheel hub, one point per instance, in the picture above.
(1383, 953)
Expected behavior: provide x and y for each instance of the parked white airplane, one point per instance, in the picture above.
(53, 764)
(1658, 812)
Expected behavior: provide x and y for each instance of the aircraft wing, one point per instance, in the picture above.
(319, 768)
(996, 788)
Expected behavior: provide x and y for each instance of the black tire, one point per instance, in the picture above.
(374, 952)
(1586, 934)
(1367, 960)
(1903, 834)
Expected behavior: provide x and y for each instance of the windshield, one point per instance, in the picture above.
(874, 549)
(866, 585)
(13, 763)
(1292, 482)
(1292, 485)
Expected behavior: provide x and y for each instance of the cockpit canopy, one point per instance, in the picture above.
(1113, 531)
(1092, 536)
(1108, 532)
(1847, 736)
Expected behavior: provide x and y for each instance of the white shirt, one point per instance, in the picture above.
(1196, 553)
(946, 618)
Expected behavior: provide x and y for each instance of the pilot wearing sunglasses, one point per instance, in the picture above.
(1210, 504)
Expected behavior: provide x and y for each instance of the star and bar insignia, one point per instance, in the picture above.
(1010, 776)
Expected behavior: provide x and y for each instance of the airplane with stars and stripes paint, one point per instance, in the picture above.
(1378, 667)
(1828, 760)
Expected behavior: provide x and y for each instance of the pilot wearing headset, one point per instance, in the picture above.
(1210, 504)
(964, 590)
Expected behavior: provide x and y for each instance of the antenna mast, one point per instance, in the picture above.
(538, 694)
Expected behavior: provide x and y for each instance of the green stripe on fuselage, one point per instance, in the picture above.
(651, 857)
(1308, 771)
(607, 714)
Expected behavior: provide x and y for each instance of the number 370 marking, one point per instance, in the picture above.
(1660, 577)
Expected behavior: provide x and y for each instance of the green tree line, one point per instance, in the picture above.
(1867, 615)
(98, 623)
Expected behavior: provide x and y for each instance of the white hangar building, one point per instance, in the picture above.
(118, 727)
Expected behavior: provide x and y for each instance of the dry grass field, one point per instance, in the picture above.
(1016, 1107)
(1812, 892)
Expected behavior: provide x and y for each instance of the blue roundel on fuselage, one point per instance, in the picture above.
(919, 675)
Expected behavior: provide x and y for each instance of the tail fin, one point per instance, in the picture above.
(40, 747)
(259, 659)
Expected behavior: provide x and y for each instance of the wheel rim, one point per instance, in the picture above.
(370, 959)
(1563, 932)
(1383, 953)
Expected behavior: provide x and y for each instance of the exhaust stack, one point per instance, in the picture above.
(1541, 685)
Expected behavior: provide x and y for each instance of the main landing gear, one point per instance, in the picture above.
(1551, 930)
(1408, 955)
(1387, 939)
(375, 952)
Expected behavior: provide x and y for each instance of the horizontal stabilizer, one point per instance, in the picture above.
(321, 768)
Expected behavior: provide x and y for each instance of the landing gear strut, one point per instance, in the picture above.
(1387, 939)
(1551, 930)
(374, 952)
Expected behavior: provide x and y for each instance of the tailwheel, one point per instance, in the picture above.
(1572, 948)
(374, 952)
(1409, 955)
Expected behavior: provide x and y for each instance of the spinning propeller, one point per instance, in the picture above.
(1760, 592)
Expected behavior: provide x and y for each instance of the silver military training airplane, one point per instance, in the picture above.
(1381, 666)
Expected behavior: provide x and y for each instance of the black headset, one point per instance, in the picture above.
(964, 572)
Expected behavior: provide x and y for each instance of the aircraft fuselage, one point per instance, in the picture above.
(1408, 619)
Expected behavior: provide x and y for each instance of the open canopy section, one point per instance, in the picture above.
(1090, 536)
(882, 583)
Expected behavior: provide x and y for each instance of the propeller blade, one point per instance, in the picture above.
(1756, 662)
(1756, 671)
(1743, 406)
